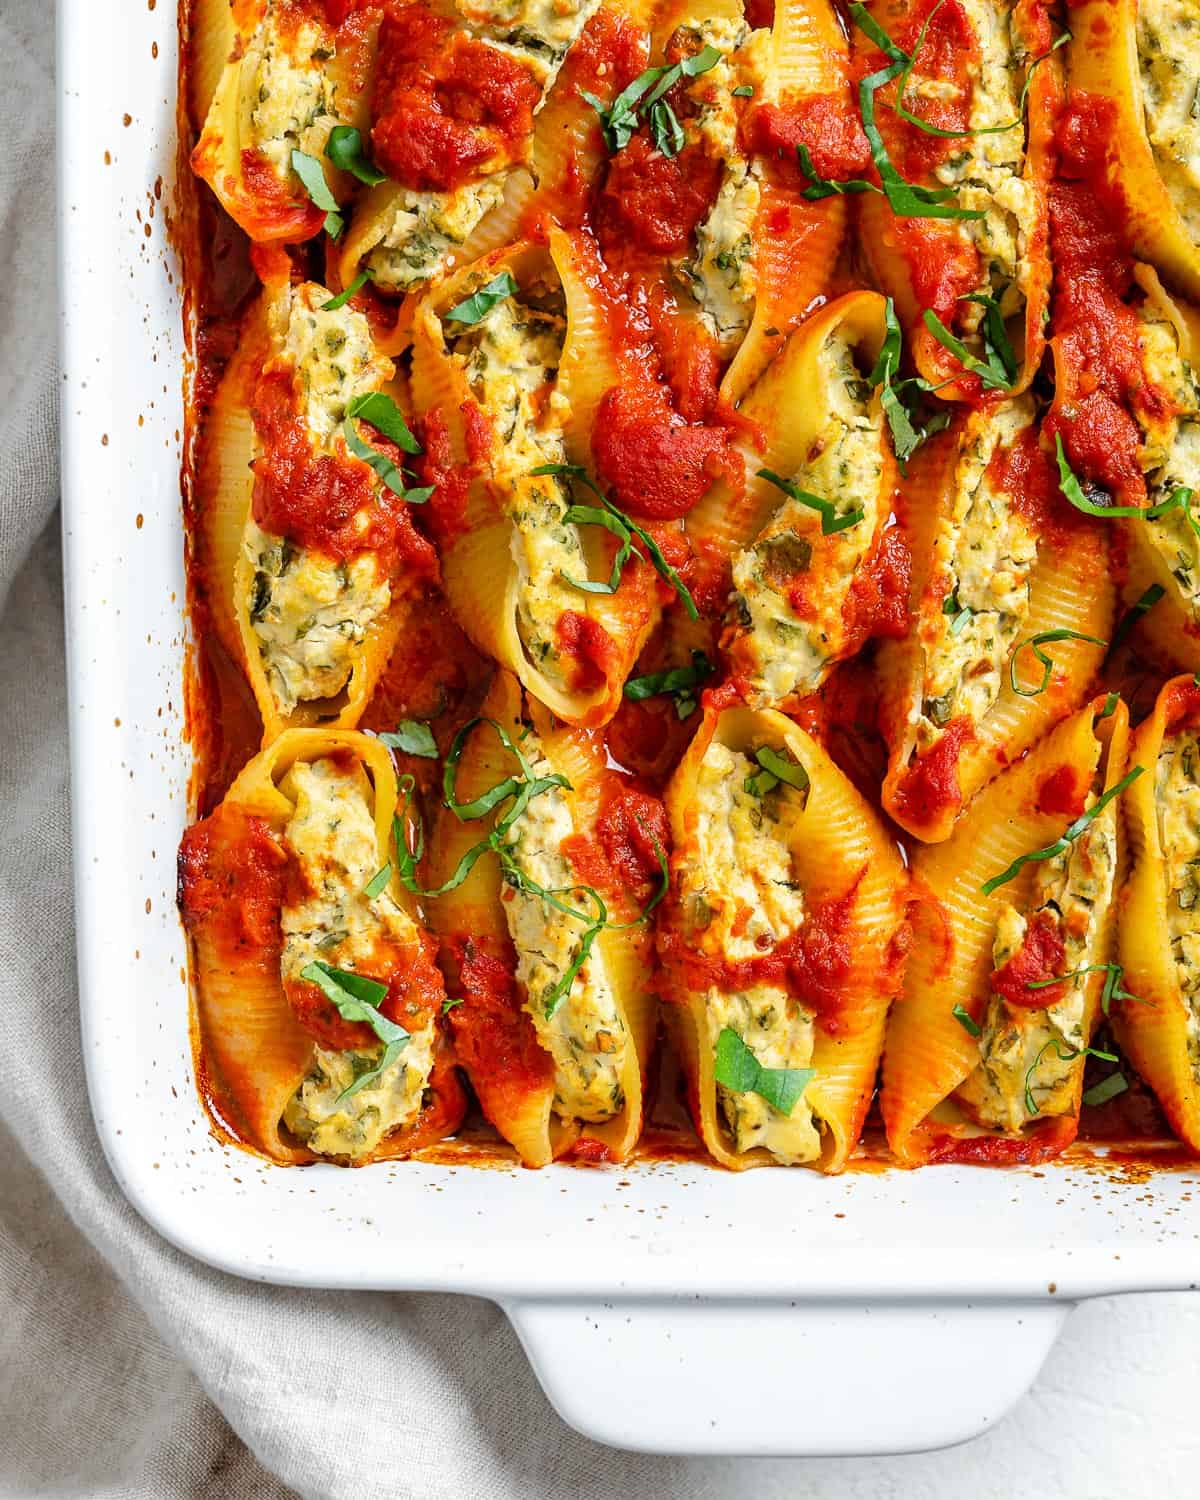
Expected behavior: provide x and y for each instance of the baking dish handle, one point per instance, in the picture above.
(785, 1378)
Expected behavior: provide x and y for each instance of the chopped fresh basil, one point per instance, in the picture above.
(1110, 706)
(360, 281)
(680, 683)
(625, 530)
(1135, 612)
(413, 737)
(831, 520)
(378, 882)
(477, 306)
(1065, 1054)
(1067, 838)
(1113, 989)
(384, 415)
(620, 119)
(311, 173)
(1181, 499)
(967, 1021)
(992, 374)
(1073, 490)
(1035, 644)
(773, 769)
(357, 998)
(345, 151)
(738, 1070)
(1108, 1088)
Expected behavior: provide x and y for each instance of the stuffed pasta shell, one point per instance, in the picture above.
(1158, 1025)
(805, 532)
(781, 942)
(452, 112)
(1013, 927)
(985, 88)
(310, 552)
(1137, 61)
(511, 358)
(274, 79)
(539, 902)
(1012, 607)
(317, 992)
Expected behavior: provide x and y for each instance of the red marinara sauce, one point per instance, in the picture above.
(826, 124)
(621, 858)
(328, 501)
(493, 1036)
(446, 106)
(653, 462)
(232, 873)
(1039, 958)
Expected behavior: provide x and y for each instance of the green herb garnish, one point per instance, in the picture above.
(312, 174)
(625, 530)
(345, 151)
(357, 998)
(1108, 1088)
(831, 520)
(993, 370)
(961, 612)
(413, 737)
(378, 882)
(1067, 1055)
(1073, 490)
(360, 281)
(680, 683)
(773, 769)
(384, 415)
(738, 1070)
(1113, 989)
(899, 398)
(1068, 837)
(477, 306)
(1035, 644)
(967, 1021)
(1135, 612)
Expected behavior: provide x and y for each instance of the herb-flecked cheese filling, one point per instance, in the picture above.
(1168, 45)
(1177, 798)
(511, 358)
(285, 90)
(586, 1033)
(783, 651)
(984, 554)
(721, 274)
(310, 612)
(739, 898)
(1170, 457)
(1037, 1055)
(332, 838)
(985, 169)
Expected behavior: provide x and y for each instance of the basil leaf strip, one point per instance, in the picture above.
(1108, 1088)
(383, 414)
(448, 1005)
(1035, 643)
(967, 1021)
(477, 306)
(626, 530)
(1064, 1055)
(831, 521)
(1073, 490)
(345, 151)
(413, 737)
(1113, 988)
(997, 346)
(1135, 612)
(360, 281)
(738, 1070)
(992, 375)
(312, 175)
(679, 682)
(378, 882)
(1110, 706)
(619, 120)
(1067, 838)
(357, 999)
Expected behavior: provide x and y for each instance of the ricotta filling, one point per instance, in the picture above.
(586, 1035)
(739, 899)
(285, 92)
(1170, 455)
(1032, 1055)
(1168, 45)
(722, 275)
(310, 613)
(985, 170)
(332, 838)
(985, 551)
(1177, 797)
(510, 357)
(790, 584)
(539, 32)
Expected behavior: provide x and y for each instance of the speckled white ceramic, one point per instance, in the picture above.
(874, 1312)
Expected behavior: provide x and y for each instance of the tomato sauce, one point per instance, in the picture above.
(1025, 472)
(589, 648)
(930, 787)
(446, 106)
(621, 858)
(1039, 958)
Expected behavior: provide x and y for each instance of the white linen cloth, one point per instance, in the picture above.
(126, 1370)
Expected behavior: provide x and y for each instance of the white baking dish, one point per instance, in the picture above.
(877, 1312)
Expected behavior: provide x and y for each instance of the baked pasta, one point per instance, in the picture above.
(1013, 928)
(319, 999)
(780, 942)
(542, 901)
